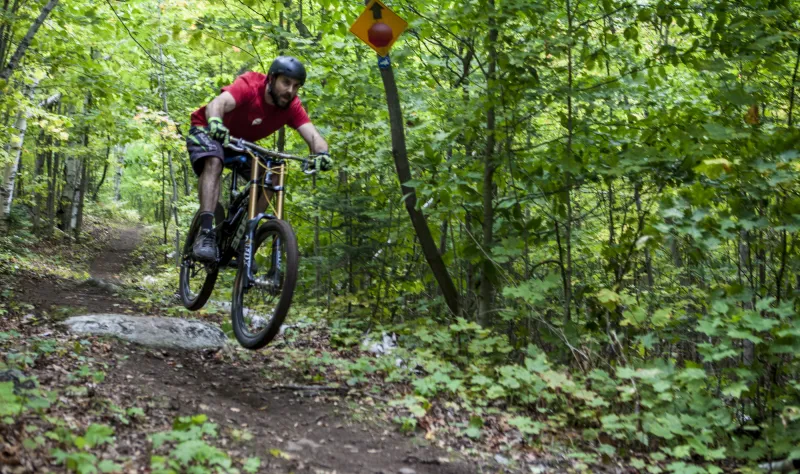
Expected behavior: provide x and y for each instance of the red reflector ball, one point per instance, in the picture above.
(380, 34)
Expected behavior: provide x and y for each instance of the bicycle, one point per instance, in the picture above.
(266, 274)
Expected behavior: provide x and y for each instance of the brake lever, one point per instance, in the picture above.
(306, 166)
(233, 146)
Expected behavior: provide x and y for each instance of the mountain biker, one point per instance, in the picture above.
(252, 108)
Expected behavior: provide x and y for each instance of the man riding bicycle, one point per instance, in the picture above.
(253, 107)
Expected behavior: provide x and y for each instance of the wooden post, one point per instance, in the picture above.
(400, 154)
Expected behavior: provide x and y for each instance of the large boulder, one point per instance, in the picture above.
(151, 331)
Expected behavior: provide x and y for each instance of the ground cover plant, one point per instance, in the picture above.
(611, 186)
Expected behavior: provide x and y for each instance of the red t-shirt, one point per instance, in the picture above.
(253, 118)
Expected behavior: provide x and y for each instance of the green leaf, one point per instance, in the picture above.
(495, 391)
(718, 132)
(735, 390)
(755, 322)
(743, 334)
(609, 299)
(474, 433)
(634, 317)
(251, 465)
(534, 291)
(526, 426)
(98, 434)
(107, 465)
(481, 380)
(713, 168)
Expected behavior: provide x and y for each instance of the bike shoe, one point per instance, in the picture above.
(205, 246)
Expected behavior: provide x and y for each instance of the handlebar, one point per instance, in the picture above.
(241, 145)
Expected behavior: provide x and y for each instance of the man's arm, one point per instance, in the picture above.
(221, 105)
(316, 143)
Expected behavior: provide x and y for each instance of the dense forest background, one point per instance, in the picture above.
(612, 186)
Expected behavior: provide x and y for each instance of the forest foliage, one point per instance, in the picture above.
(613, 187)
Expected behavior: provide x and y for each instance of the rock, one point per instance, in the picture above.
(149, 280)
(351, 448)
(387, 344)
(406, 470)
(501, 460)
(308, 443)
(301, 445)
(293, 447)
(285, 327)
(20, 380)
(151, 331)
(102, 284)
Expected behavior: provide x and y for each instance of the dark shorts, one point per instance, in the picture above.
(200, 147)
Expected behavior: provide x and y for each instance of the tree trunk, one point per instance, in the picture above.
(748, 353)
(37, 173)
(22, 47)
(164, 215)
(120, 165)
(105, 171)
(14, 149)
(81, 197)
(53, 164)
(317, 250)
(165, 105)
(487, 284)
(568, 181)
(792, 89)
(69, 192)
(85, 164)
(648, 261)
(7, 28)
(185, 171)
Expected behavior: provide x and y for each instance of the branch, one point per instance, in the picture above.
(134, 38)
(602, 17)
(545, 262)
(615, 79)
(794, 80)
(205, 32)
(458, 38)
(26, 41)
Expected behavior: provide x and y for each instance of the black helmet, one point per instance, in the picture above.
(288, 66)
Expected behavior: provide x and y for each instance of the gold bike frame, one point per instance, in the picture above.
(254, 177)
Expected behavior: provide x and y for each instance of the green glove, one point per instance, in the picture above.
(323, 161)
(218, 131)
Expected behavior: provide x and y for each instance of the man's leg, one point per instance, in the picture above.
(209, 184)
(206, 156)
(205, 244)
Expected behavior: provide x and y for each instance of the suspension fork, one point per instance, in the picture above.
(254, 219)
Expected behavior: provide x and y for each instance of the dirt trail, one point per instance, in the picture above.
(111, 261)
(320, 432)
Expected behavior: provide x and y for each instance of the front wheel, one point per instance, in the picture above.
(258, 311)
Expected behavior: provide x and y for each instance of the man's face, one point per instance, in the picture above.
(283, 91)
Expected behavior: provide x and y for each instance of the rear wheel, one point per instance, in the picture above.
(257, 312)
(197, 279)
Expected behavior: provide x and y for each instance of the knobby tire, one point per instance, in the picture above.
(199, 300)
(289, 266)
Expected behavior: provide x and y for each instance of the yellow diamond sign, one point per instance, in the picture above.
(379, 27)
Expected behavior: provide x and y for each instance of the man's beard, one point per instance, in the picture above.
(276, 99)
